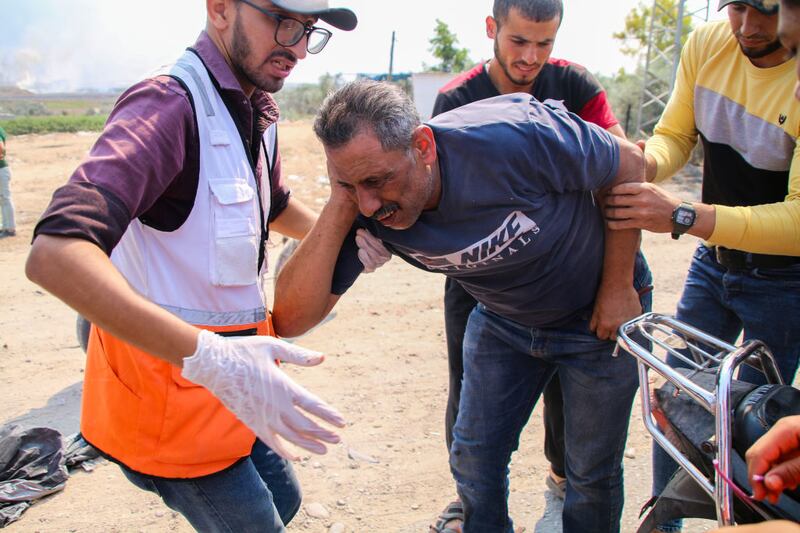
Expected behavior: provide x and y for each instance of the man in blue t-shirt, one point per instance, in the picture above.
(499, 195)
(524, 33)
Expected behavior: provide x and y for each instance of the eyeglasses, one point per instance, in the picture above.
(289, 31)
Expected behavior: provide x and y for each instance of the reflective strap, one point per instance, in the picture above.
(214, 318)
(198, 81)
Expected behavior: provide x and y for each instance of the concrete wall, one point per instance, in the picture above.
(426, 86)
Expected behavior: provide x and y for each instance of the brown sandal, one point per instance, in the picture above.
(453, 511)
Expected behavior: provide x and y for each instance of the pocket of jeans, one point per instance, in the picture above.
(577, 332)
(703, 252)
(643, 283)
(787, 275)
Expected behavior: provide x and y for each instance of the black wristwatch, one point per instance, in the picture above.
(683, 218)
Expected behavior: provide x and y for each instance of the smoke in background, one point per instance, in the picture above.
(57, 46)
(69, 45)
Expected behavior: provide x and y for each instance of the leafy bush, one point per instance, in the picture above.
(53, 124)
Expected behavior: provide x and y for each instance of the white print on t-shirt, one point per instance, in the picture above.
(516, 232)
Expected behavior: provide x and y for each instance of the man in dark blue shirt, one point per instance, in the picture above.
(524, 33)
(498, 194)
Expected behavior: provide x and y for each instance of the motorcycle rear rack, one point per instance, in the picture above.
(668, 336)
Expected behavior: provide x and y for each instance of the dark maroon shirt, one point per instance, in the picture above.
(146, 162)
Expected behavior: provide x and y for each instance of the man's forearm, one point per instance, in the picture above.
(616, 300)
(620, 256)
(83, 277)
(621, 246)
(765, 229)
(667, 154)
(303, 288)
(295, 221)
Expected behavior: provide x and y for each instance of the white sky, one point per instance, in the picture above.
(53, 45)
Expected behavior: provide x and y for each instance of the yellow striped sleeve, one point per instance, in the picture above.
(675, 134)
(764, 229)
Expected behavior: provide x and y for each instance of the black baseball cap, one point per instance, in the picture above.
(768, 7)
(339, 17)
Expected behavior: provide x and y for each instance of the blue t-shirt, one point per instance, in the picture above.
(517, 224)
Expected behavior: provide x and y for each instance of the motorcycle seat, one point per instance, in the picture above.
(760, 410)
(757, 412)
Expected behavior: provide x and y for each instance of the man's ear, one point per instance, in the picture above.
(220, 13)
(424, 143)
(491, 27)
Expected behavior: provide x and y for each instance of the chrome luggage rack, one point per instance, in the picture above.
(694, 348)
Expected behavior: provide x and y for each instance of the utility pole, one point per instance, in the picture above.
(661, 65)
(391, 58)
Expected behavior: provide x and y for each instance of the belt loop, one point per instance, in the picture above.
(717, 254)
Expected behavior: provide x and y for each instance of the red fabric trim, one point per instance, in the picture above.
(598, 111)
(562, 62)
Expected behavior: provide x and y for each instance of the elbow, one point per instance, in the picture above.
(632, 164)
(37, 262)
(289, 319)
(288, 324)
(294, 316)
(295, 309)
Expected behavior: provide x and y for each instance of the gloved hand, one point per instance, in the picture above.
(371, 251)
(241, 372)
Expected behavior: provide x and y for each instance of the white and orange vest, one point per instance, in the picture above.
(137, 408)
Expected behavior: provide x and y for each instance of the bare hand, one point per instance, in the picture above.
(613, 306)
(776, 457)
(341, 197)
(640, 206)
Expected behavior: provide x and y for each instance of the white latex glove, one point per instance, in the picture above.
(242, 373)
(371, 251)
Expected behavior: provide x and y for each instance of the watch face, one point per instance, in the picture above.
(684, 217)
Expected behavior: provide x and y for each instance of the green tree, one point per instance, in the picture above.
(624, 88)
(637, 27)
(443, 47)
(624, 91)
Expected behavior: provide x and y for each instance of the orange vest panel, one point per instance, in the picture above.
(138, 409)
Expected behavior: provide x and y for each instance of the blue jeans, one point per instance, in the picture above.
(764, 303)
(258, 493)
(506, 367)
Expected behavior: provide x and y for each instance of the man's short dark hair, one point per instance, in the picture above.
(365, 104)
(536, 10)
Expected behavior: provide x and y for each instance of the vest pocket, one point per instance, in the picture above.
(234, 259)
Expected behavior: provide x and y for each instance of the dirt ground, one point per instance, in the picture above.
(386, 370)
